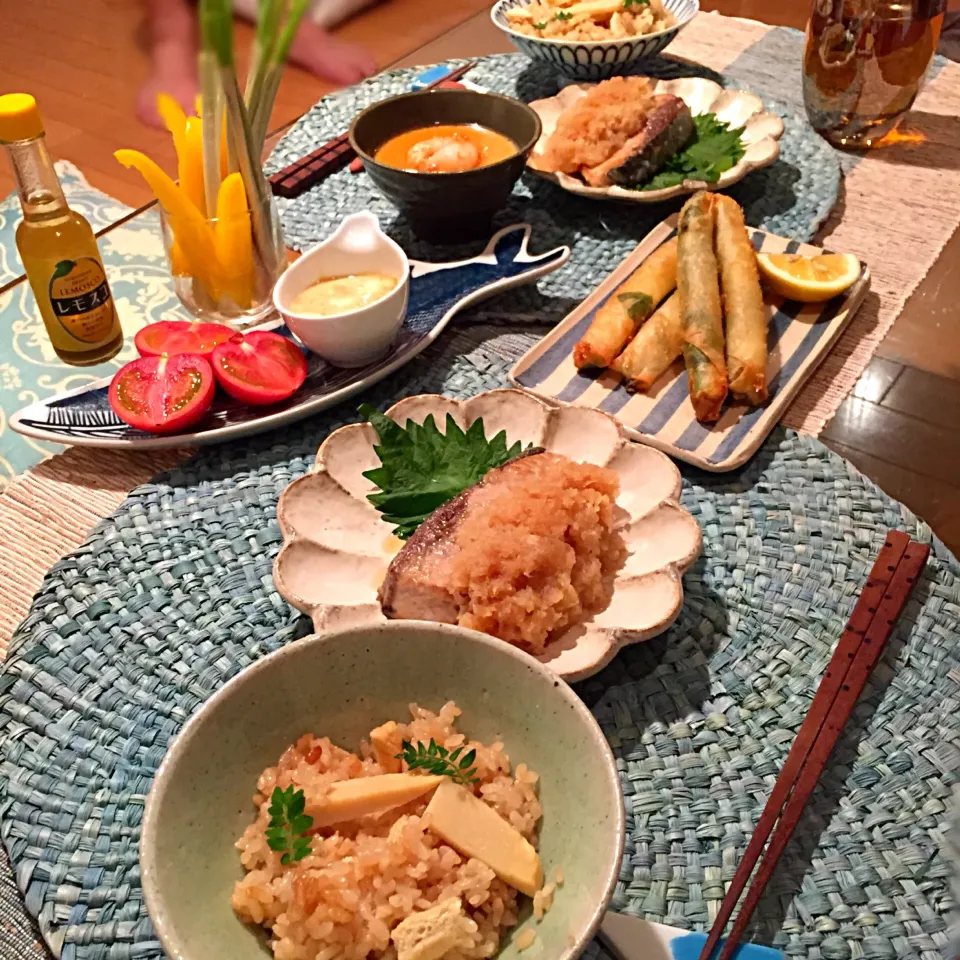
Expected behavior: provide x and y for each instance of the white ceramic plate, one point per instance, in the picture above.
(337, 548)
(735, 107)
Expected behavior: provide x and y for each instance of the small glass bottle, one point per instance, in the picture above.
(57, 246)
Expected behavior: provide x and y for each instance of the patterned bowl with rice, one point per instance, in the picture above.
(596, 59)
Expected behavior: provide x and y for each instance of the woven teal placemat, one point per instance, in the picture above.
(791, 197)
(173, 595)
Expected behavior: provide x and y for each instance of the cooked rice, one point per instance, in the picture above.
(543, 901)
(525, 939)
(363, 877)
(539, 550)
(567, 20)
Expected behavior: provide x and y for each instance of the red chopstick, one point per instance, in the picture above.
(893, 576)
(315, 167)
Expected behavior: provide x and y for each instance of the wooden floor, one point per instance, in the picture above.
(900, 425)
(87, 90)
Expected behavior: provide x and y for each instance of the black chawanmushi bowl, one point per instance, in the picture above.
(446, 207)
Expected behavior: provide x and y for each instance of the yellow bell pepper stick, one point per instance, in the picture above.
(178, 262)
(235, 241)
(191, 230)
(174, 119)
(190, 165)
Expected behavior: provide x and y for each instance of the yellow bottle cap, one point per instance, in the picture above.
(19, 118)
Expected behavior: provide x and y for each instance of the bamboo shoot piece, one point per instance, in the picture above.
(595, 8)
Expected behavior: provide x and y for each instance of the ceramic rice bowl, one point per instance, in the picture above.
(342, 685)
(598, 59)
(337, 548)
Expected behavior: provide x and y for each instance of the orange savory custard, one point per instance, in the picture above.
(445, 148)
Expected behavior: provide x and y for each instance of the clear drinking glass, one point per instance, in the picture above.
(221, 272)
(864, 64)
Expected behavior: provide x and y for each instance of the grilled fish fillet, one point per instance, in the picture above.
(522, 555)
(597, 125)
(419, 580)
(418, 584)
(668, 129)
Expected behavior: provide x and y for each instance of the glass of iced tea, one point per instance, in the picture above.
(864, 63)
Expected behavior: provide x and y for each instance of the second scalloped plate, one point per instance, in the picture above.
(738, 108)
(337, 548)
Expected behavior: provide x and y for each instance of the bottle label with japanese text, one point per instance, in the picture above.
(81, 301)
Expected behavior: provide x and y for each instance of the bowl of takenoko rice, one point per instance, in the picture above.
(404, 790)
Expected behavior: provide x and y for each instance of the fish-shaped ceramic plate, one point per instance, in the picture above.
(800, 335)
(737, 108)
(336, 548)
(83, 417)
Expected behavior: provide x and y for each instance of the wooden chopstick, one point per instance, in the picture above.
(892, 578)
(315, 167)
(293, 180)
(893, 549)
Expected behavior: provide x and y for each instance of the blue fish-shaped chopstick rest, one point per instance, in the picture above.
(631, 938)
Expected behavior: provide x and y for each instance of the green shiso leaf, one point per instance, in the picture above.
(715, 148)
(422, 468)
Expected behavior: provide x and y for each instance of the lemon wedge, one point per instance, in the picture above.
(809, 279)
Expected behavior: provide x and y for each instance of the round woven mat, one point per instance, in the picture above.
(791, 198)
(173, 595)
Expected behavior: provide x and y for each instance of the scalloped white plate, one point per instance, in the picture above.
(337, 549)
(735, 107)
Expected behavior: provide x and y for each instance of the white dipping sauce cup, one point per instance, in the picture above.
(361, 336)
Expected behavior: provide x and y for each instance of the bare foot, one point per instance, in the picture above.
(315, 50)
(173, 73)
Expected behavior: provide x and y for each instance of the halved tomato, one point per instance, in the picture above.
(180, 336)
(163, 394)
(259, 367)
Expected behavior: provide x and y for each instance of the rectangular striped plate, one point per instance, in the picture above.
(800, 336)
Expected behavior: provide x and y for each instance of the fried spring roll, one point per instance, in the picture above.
(698, 285)
(616, 322)
(657, 344)
(746, 318)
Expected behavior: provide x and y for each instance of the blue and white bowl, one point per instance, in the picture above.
(597, 59)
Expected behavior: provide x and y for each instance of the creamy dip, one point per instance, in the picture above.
(335, 295)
